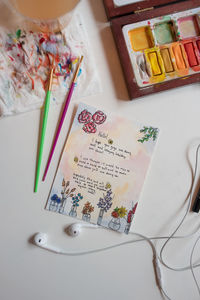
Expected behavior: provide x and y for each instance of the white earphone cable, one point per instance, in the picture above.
(192, 267)
(182, 220)
(156, 259)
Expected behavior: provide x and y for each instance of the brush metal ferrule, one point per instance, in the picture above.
(51, 79)
(77, 70)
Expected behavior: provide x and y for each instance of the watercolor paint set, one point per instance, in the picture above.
(159, 46)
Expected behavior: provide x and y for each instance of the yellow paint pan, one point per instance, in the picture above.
(167, 61)
(155, 65)
(141, 38)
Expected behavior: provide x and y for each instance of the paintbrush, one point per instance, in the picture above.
(44, 126)
(69, 96)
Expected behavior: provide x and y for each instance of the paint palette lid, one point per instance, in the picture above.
(116, 8)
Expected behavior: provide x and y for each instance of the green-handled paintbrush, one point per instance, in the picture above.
(44, 126)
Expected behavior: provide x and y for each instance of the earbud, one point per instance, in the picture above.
(75, 229)
(40, 239)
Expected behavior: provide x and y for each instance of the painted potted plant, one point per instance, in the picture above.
(66, 192)
(130, 218)
(54, 203)
(75, 203)
(87, 210)
(104, 204)
(117, 214)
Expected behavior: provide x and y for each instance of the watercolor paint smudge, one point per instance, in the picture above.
(32, 53)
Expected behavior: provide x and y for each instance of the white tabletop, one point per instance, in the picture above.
(28, 272)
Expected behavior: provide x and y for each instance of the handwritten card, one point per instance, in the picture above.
(102, 169)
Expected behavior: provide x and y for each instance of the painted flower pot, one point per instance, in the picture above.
(127, 228)
(86, 217)
(114, 224)
(100, 217)
(62, 206)
(53, 206)
(61, 209)
(73, 212)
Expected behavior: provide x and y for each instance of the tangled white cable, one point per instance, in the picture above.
(41, 240)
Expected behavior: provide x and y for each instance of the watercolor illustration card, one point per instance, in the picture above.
(102, 169)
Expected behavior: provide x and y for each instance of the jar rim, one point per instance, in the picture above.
(14, 9)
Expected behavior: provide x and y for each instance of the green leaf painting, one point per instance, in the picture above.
(148, 133)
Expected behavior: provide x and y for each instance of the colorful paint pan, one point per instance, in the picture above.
(141, 38)
(164, 48)
(180, 62)
(192, 59)
(198, 45)
(188, 27)
(164, 33)
(193, 54)
(155, 65)
(167, 60)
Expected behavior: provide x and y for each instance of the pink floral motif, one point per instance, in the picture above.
(85, 116)
(90, 121)
(131, 214)
(90, 127)
(99, 117)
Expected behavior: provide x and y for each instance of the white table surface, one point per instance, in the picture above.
(30, 273)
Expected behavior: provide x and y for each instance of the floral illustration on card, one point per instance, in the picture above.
(90, 127)
(104, 204)
(66, 193)
(130, 218)
(117, 214)
(148, 133)
(58, 203)
(87, 210)
(99, 117)
(104, 164)
(75, 204)
(91, 121)
(85, 116)
(54, 202)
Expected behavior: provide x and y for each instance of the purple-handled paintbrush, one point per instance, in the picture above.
(63, 117)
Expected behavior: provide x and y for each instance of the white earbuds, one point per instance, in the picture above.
(75, 229)
(41, 239)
